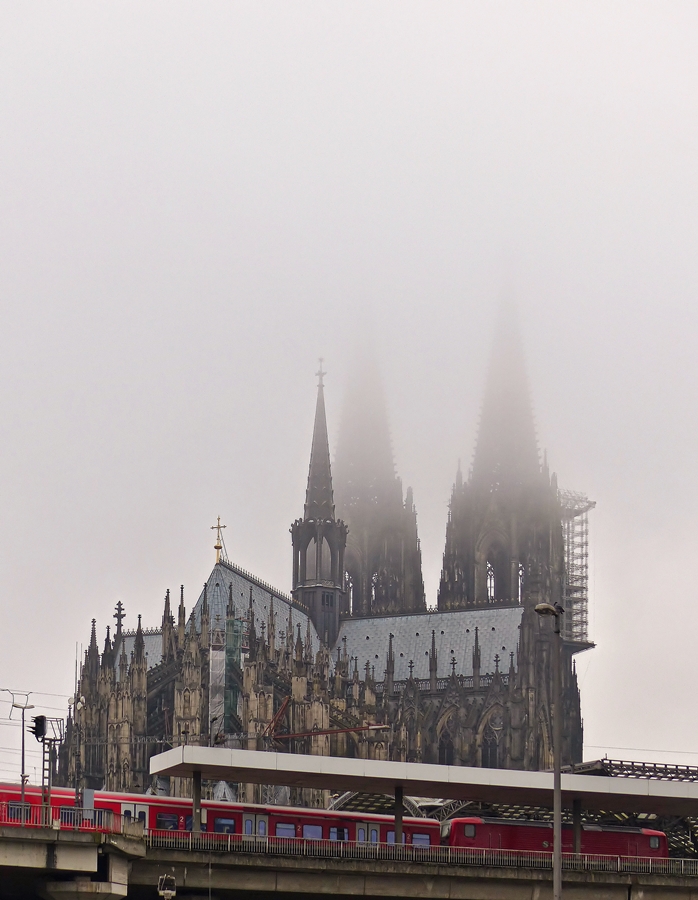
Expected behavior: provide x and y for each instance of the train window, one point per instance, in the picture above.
(127, 815)
(374, 835)
(339, 834)
(166, 821)
(312, 832)
(391, 837)
(141, 816)
(188, 822)
(249, 826)
(262, 827)
(469, 830)
(224, 826)
(285, 829)
(361, 834)
(420, 840)
(654, 842)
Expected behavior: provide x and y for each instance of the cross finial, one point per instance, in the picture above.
(321, 374)
(453, 665)
(119, 615)
(410, 666)
(496, 662)
(218, 546)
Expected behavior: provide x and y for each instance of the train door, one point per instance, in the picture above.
(367, 833)
(135, 812)
(254, 825)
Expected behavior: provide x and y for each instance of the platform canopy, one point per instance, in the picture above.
(503, 786)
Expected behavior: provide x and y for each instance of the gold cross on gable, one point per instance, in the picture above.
(218, 546)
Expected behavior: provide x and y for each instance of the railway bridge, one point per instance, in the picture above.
(44, 859)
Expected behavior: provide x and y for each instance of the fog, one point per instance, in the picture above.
(199, 200)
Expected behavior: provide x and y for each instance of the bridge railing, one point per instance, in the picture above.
(71, 818)
(450, 856)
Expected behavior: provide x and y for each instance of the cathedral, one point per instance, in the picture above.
(351, 661)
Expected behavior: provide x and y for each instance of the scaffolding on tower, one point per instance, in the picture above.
(575, 530)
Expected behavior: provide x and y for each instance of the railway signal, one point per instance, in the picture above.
(38, 727)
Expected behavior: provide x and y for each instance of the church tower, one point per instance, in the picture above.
(383, 560)
(319, 538)
(504, 532)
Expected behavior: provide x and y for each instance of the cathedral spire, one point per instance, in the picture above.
(507, 448)
(383, 555)
(319, 503)
(318, 538)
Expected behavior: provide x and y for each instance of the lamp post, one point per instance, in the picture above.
(555, 611)
(24, 707)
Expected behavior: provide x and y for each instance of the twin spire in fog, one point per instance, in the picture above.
(506, 450)
(381, 572)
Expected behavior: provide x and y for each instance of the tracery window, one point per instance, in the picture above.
(490, 581)
(446, 749)
(490, 749)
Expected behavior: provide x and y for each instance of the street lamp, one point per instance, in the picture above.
(24, 707)
(555, 610)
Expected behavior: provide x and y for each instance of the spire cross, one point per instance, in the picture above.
(410, 666)
(119, 615)
(453, 665)
(218, 546)
(321, 374)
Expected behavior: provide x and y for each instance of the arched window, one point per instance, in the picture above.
(490, 581)
(490, 749)
(446, 749)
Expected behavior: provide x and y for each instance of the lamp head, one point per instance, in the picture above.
(546, 609)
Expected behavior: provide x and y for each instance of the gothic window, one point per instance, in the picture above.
(490, 749)
(349, 587)
(521, 581)
(446, 749)
(490, 581)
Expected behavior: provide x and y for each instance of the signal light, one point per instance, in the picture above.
(38, 727)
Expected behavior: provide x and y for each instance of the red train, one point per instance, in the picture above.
(175, 814)
(510, 834)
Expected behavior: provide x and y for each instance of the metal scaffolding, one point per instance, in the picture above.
(575, 530)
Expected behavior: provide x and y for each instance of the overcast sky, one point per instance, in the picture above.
(199, 199)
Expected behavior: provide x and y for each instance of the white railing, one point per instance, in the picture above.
(67, 818)
(458, 856)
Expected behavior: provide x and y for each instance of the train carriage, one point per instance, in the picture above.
(512, 834)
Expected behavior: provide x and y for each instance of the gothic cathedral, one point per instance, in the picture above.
(467, 682)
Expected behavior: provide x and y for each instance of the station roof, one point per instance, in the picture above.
(446, 782)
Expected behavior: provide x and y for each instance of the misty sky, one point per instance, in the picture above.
(199, 199)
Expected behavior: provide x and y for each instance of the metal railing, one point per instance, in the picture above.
(68, 818)
(450, 856)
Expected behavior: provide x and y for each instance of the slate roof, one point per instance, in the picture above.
(226, 573)
(152, 638)
(498, 634)
(367, 638)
